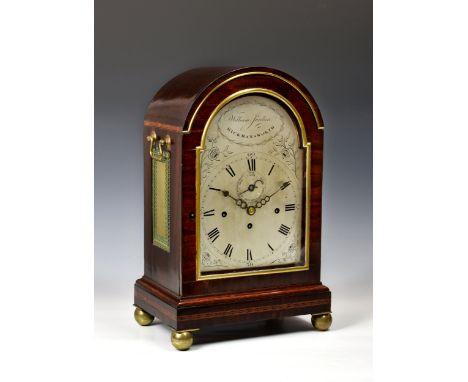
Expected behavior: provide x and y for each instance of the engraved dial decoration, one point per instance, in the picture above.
(251, 191)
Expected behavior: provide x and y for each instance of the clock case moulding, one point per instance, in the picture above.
(169, 289)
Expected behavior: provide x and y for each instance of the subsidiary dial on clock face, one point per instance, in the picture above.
(250, 213)
(251, 186)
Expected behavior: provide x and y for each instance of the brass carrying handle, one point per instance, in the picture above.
(164, 145)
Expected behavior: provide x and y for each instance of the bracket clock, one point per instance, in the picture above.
(232, 202)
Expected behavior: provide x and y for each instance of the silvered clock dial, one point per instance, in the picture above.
(252, 188)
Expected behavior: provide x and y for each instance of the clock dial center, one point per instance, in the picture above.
(250, 186)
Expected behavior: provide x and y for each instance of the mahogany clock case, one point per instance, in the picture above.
(169, 288)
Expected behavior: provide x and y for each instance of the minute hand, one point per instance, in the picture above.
(282, 187)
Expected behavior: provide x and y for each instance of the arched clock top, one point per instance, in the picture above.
(188, 97)
(259, 92)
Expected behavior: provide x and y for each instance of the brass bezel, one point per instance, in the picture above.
(314, 109)
(200, 149)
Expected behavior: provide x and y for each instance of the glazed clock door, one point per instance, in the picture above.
(252, 181)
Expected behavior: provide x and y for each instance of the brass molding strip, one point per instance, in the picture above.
(184, 330)
(317, 120)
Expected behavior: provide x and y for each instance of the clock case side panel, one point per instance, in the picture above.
(166, 114)
(158, 291)
(162, 267)
(201, 110)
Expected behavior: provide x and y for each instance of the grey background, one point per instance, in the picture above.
(325, 44)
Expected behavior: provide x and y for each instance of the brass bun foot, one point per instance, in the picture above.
(142, 317)
(322, 321)
(181, 340)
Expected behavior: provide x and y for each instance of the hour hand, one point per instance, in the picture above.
(239, 202)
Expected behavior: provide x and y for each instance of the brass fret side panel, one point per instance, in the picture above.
(161, 170)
